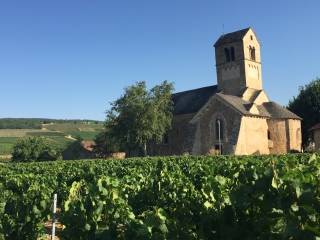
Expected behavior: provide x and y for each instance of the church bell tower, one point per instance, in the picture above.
(238, 62)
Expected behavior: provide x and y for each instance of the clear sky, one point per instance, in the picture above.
(69, 58)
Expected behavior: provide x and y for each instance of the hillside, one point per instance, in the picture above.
(59, 134)
(36, 123)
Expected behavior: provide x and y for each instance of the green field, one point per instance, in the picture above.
(56, 134)
(6, 144)
(86, 131)
(17, 132)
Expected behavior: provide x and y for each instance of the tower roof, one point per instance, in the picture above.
(231, 37)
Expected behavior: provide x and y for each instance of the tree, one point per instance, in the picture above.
(33, 149)
(140, 115)
(76, 147)
(104, 144)
(307, 106)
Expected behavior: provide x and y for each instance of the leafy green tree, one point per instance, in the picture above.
(76, 148)
(139, 115)
(307, 106)
(104, 144)
(32, 149)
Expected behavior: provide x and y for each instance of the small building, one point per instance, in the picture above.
(316, 137)
(86, 152)
(235, 116)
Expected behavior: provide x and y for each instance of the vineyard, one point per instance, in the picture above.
(198, 197)
(56, 133)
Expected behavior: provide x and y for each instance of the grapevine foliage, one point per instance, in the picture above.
(204, 197)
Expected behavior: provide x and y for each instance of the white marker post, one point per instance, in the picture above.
(54, 216)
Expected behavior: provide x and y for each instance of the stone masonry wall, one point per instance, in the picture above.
(234, 143)
(189, 141)
(243, 71)
(230, 75)
(176, 137)
(277, 130)
(206, 138)
(294, 130)
(253, 67)
(316, 135)
(253, 137)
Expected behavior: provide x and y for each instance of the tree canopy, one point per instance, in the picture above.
(104, 144)
(76, 148)
(33, 149)
(307, 106)
(140, 115)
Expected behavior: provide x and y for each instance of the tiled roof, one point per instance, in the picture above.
(88, 145)
(193, 100)
(277, 111)
(243, 106)
(317, 126)
(267, 109)
(231, 37)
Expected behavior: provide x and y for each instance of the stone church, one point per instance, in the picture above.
(235, 116)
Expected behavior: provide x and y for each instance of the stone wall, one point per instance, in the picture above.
(176, 137)
(277, 132)
(253, 137)
(285, 135)
(243, 71)
(189, 145)
(316, 135)
(230, 73)
(205, 136)
(294, 132)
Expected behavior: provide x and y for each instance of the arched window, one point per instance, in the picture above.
(219, 129)
(227, 54)
(252, 52)
(165, 138)
(232, 53)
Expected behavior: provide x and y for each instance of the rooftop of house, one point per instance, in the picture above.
(317, 126)
(88, 145)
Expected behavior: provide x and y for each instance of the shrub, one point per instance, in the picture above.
(32, 149)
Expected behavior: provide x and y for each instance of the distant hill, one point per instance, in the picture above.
(36, 123)
(58, 132)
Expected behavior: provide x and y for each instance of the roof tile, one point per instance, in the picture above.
(193, 100)
(231, 37)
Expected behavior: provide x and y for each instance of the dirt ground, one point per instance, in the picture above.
(48, 226)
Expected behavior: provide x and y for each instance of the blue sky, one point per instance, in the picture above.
(69, 59)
